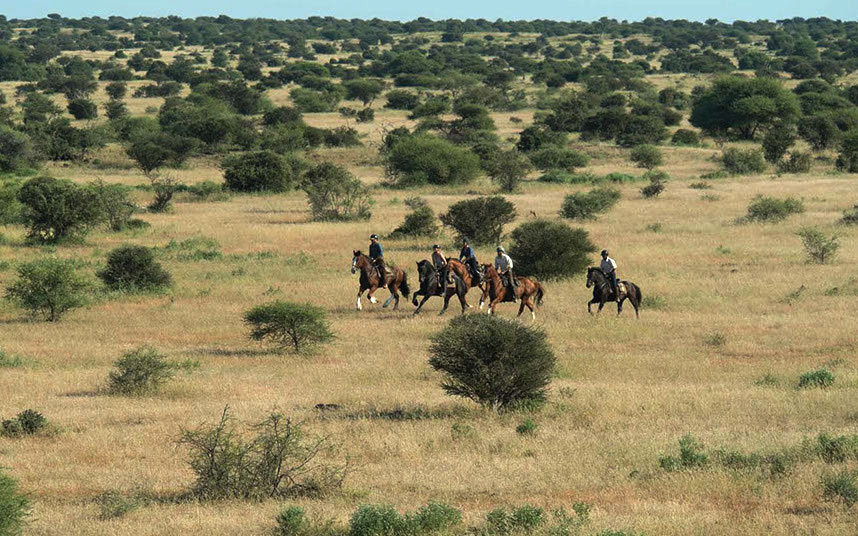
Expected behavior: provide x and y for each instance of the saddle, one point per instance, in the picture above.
(621, 287)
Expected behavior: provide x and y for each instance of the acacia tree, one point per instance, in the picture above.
(363, 89)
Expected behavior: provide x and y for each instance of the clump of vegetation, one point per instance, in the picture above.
(716, 339)
(847, 160)
(28, 422)
(140, 371)
(526, 427)
(686, 137)
(420, 221)
(434, 518)
(48, 287)
(115, 204)
(259, 171)
(777, 142)
(739, 162)
(9, 361)
(657, 181)
(114, 505)
(415, 160)
(274, 458)
(841, 486)
(646, 156)
(481, 220)
(850, 217)
(550, 249)
(798, 162)
(133, 268)
(585, 206)
(691, 456)
(816, 378)
(55, 209)
(14, 506)
(819, 247)
(493, 361)
(508, 168)
(766, 209)
(554, 157)
(335, 194)
(300, 327)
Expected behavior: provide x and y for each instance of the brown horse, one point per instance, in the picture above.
(602, 292)
(429, 287)
(397, 280)
(525, 290)
(460, 270)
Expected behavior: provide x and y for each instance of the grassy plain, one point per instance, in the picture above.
(624, 393)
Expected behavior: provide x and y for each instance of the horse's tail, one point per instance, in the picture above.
(540, 292)
(640, 295)
(403, 287)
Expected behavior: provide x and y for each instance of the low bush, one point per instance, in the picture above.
(416, 160)
(646, 156)
(83, 109)
(297, 326)
(850, 217)
(14, 506)
(558, 176)
(819, 248)
(586, 206)
(656, 186)
(133, 268)
(765, 209)
(140, 371)
(401, 99)
(384, 520)
(335, 194)
(841, 486)
(553, 157)
(550, 249)
(48, 287)
(517, 520)
(777, 142)
(847, 159)
(481, 220)
(685, 137)
(421, 221)
(797, 162)
(691, 456)
(342, 136)
(816, 378)
(508, 169)
(258, 171)
(526, 427)
(274, 458)
(492, 361)
(116, 204)
(28, 422)
(366, 115)
(58, 209)
(745, 162)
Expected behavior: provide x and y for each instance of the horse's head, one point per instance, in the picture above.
(593, 273)
(426, 275)
(356, 255)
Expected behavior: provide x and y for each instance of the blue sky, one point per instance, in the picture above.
(725, 10)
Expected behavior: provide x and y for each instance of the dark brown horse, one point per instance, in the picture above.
(526, 290)
(397, 280)
(602, 292)
(429, 287)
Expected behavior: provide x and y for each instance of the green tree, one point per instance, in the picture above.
(550, 249)
(414, 160)
(299, 326)
(481, 220)
(335, 194)
(363, 89)
(508, 168)
(777, 142)
(48, 287)
(57, 209)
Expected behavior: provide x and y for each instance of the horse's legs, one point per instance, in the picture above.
(360, 292)
(520, 307)
(532, 312)
(601, 304)
(446, 302)
(390, 299)
(620, 305)
(463, 299)
(425, 298)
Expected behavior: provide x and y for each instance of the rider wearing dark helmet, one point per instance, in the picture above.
(469, 257)
(609, 268)
(376, 255)
(440, 263)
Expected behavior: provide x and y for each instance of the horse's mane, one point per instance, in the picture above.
(358, 253)
(596, 269)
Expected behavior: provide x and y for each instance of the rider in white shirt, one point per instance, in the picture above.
(609, 268)
(503, 264)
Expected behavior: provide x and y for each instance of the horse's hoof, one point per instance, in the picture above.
(373, 300)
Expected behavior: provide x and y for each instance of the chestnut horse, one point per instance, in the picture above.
(602, 292)
(397, 280)
(429, 287)
(526, 289)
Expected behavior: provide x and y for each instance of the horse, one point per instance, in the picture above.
(526, 289)
(429, 287)
(397, 280)
(461, 270)
(603, 292)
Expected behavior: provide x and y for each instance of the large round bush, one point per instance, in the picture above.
(134, 268)
(425, 159)
(258, 171)
(550, 249)
(493, 361)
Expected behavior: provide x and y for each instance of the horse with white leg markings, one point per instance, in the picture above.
(397, 281)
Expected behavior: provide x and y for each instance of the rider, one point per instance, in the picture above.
(609, 268)
(503, 264)
(469, 257)
(440, 263)
(376, 255)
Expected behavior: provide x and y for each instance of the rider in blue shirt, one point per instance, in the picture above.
(376, 255)
(469, 257)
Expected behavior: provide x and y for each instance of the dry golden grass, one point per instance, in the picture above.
(624, 393)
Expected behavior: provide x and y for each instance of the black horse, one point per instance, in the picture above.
(429, 287)
(602, 292)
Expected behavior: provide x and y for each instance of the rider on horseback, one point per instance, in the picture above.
(440, 263)
(469, 257)
(609, 268)
(503, 264)
(376, 255)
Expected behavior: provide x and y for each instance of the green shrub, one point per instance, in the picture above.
(132, 268)
(367, 115)
(400, 99)
(777, 142)
(691, 456)
(797, 162)
(83, 109)
(745, 162)
(686, 137)
(507, 169)
(819, 247)
(291, 522)
(585, 206)
(275, 458)
(842, 486)
(114, 505)
(258, 171)
(377, 520)
(517, 520)
(17, 152)
(335, 194)
(526, 427)
(415, 160)
(342, 136)
(837, 449)
(289, 325)
(9, 361)
(48, 287)
(772, 210)
(550, 249)
(58, 209)
(646, 156)
(492, 361)
(433, 518)
(140, 371)
(847, 160)
(481, 220)
(558, 176)
(116, 205)
(28, 422)
(14, 506)
(850, 217)
(656, 186)
(553, 157)
(816, 378)
(420, 221)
